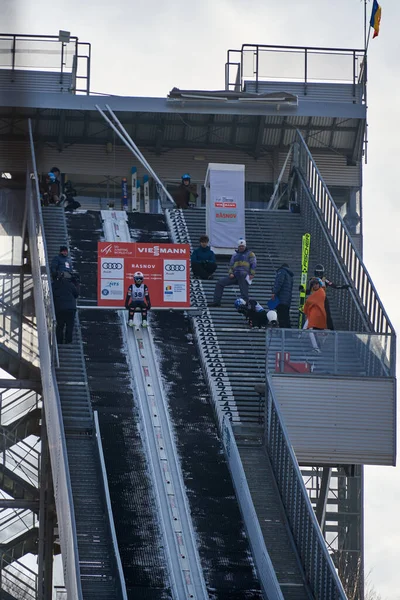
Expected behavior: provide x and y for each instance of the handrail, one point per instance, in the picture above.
(46, 44)
(52, 406)
(121, 579)
(317, 563)
(13, 310)
(266, 572)
(303, 74)
(47, 289)
(334, 225)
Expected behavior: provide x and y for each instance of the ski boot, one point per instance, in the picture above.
(130, 323)
(144, 323)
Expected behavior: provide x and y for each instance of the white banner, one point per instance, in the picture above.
(225, 205)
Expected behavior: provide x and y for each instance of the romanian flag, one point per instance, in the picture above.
(375, 18)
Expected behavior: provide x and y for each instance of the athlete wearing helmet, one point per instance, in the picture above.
(138, 298)
(185, 195)
(255, 314)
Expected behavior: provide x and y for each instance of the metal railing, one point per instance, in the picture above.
(340, 353)
(260, 62)
(14, 404)
(24, 52)
(314, 555)
(18, 334)
(17, 579)
(51, 399)
(330, 234)
(120, 579)
(262, 559)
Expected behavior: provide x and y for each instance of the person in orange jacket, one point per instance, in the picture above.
(314, 308)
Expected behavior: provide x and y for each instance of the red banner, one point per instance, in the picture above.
(165, 268)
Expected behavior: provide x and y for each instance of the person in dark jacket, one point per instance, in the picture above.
(65, 294)
(61, 263)
(283, 288)
(203, 260)
(242, 269)
(185, 195)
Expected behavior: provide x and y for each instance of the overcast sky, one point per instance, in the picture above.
(146, 47)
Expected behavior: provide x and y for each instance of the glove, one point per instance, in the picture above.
(345, 287)
(148, 306)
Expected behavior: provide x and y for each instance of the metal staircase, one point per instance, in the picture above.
(234, 357)
(96, 559)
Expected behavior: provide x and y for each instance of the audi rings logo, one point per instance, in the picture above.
(174, 267)
(112, 266)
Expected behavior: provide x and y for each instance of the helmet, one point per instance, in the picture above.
(315, 280)
(51, 176)
(319, 271)
(240, 303)
(186, 176)
(138, 277)
(272, 317)
(241, 242)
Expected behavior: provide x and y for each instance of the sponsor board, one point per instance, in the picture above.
(165, 267)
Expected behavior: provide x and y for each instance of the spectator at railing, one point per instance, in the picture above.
(242, 269)
(203, 260)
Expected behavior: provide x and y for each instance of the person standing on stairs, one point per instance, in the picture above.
(242, 269)
(61, 263)
(314, 309)
(282, 290)
(185, 195)
(203, 260)
(319, 273)
(65, 293)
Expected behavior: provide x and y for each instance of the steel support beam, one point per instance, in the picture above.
(61, 132)
(320, 510)
(32, 505)
(46, 522)
(21, 384)
(259, 137)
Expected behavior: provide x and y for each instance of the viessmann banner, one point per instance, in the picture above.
(165, 268)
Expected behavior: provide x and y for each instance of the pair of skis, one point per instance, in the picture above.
(136, 192)
(305, 255)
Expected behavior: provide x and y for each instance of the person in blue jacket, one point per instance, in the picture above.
(203, 260)
(61, 263)
(283, 289)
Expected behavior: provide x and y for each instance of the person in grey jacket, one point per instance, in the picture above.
(65, 294)
(283, 288)
(61, 263)
(242, 268)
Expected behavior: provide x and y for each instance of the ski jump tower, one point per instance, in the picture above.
(310, 101)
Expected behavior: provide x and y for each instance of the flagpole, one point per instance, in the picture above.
(365, 26)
